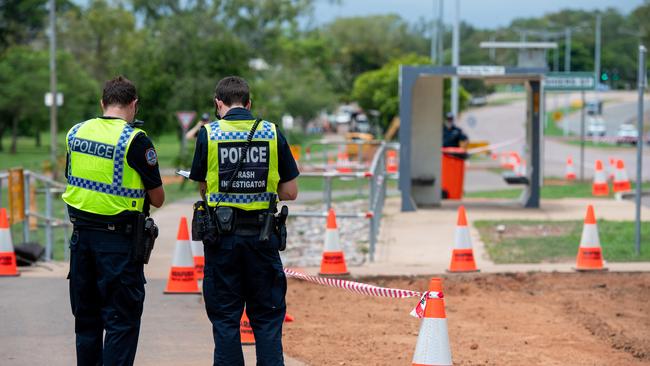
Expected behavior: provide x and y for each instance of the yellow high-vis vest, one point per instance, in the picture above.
(258, 178)
(100, 180)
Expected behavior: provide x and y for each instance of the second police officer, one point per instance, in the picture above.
(239, 180)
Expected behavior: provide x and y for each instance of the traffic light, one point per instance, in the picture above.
(604, 76)
(615, 75)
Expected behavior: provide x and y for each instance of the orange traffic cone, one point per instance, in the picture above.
(612, 168)
(182, 279)
(570, 172)
(432, 347)
(391, 162)
(199, 258)
(621, 181)
(600, 186)
(7, 254)
(245, 331)
(462, 257)
(333, 262)
(343, 162)
(590, 257)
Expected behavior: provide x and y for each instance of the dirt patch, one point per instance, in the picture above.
(514, 319)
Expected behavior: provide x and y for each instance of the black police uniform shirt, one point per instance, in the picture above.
(143, 159)
(286, 164)
(452, 137)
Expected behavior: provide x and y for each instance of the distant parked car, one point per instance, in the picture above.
(478, 101)
(596, 126)
(594, 107)
(627, 134)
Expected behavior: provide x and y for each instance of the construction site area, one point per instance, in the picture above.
(422, 209)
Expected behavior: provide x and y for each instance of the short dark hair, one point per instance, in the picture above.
(120, 91)
(232, 90)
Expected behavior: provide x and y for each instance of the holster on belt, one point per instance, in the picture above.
(146, 232)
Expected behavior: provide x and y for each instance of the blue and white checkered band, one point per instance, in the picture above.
(71, 136)
(263, 133)
(240, 198)
(120, 151)
(115, 188)
(105, 188)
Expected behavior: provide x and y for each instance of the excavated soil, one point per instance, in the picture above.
(509, 319)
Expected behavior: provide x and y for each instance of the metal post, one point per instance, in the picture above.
(567, 49)
(26, 199)
(48, 222)
(327, 192)
(434, 35)
(641, 80)
(441, 34)
(53, 107)
(582, 138)
(597, 55)
(455, 61)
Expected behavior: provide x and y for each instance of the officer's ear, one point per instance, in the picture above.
(249, 104)
(101, 104)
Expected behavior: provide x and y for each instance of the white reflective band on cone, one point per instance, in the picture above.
(433, 343)
(462, 238)
(599, 177)
(332, 240)
(197, 248)
(5, 241)
(183, 254)
(590, 238)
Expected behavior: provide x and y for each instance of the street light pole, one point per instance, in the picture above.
(641, 80)
(441, 33)
(53, 106)
(434, 35)
(455, 60)
(567, 49)
(597, 54)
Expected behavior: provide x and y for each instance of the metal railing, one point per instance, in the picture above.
(377, 176)
(50, 189)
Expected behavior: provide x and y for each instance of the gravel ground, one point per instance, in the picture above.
(306, 237)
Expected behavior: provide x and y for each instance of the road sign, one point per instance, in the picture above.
(48, 99)
(185, 118)
(569, 81)
(480, 70)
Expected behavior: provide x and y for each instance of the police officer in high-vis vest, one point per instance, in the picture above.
(113, 177)
(243, 179)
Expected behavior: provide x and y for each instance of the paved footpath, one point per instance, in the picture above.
(37, 327)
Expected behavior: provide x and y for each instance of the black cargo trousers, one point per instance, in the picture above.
(242, 271)
(106, 294)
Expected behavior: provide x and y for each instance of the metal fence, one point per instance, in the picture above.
(51, 189)
(377, 176)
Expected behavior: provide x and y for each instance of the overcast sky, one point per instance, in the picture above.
(480, 13)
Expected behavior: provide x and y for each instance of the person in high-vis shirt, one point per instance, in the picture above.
(240, 269)
(113, 176)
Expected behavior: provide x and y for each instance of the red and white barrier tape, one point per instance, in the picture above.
(370, 290)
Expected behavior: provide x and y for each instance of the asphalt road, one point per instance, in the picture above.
(506, 124)
(613, 116)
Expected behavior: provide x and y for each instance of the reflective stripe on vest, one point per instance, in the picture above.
(84, 185)
(258, 178)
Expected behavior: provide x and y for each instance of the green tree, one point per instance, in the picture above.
(379, 89)
(24, 75)
(367, 43)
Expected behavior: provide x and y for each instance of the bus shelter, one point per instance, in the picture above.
(421, 115)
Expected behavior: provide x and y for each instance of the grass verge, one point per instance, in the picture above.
(552, 189)
(557, 241)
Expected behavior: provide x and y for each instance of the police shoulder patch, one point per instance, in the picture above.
(151, 156)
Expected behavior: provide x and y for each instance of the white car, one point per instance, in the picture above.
(596, 126)
(627, 134)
